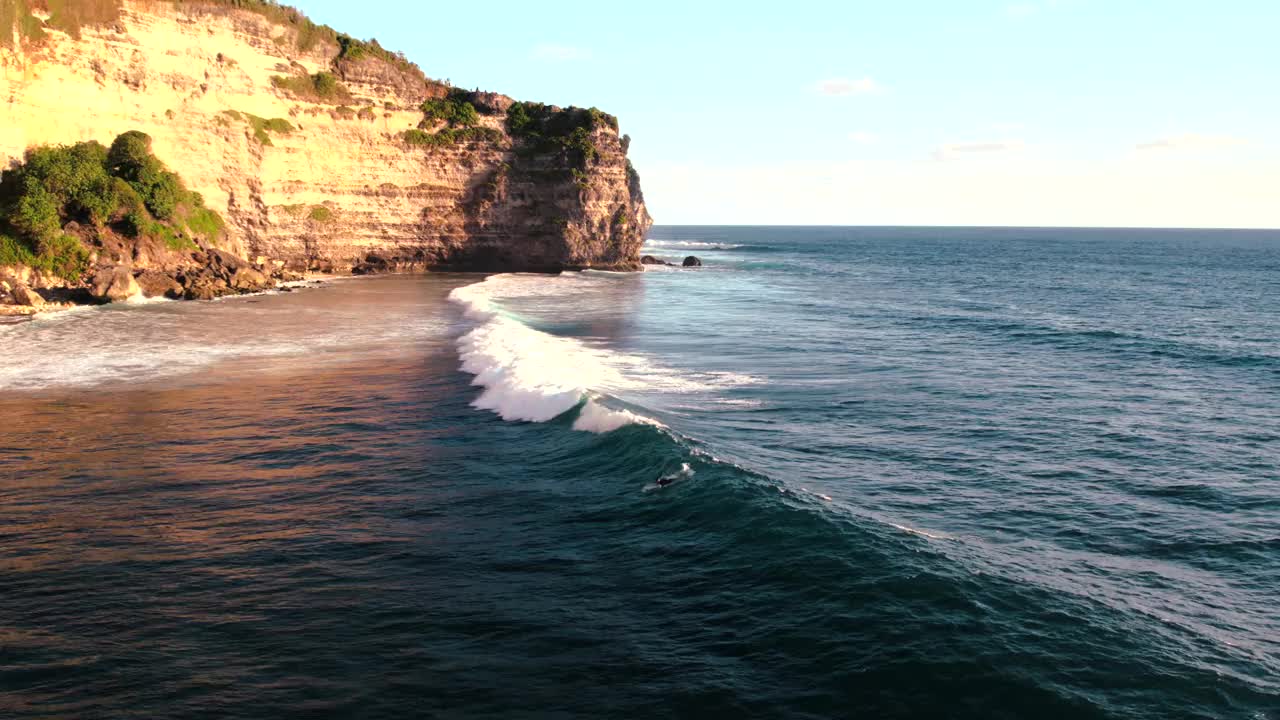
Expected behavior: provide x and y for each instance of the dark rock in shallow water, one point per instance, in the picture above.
(221, 273)
(203, 286)
(155, 283)
(247, 279)
(224, 264)
(372, 265)
(651, 260)
(23, 295)
(376, 264)
(692, 261)
(114, 284)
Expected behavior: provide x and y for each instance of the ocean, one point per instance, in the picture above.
(833, 472)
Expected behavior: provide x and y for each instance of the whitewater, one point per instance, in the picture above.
(535, 376)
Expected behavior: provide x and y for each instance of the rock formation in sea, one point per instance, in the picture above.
(320, 151)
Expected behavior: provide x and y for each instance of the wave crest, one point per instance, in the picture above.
(690, 245)
(534, 376)
(597, 418)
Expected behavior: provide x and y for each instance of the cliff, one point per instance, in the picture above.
(319, 150)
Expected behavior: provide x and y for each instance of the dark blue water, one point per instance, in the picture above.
(835, 472)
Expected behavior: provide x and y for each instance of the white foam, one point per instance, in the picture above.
(139, 298)
(920, 533)
(689, 244)
(88, 346)
(527, 375)
(597, 418)
(821, 496)
(685, 472)
(534, 376)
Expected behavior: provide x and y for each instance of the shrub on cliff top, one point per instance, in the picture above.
(453, 110)
(542, 129)
(529, 119)
(130, 159)
(354, 50)
(125, 187)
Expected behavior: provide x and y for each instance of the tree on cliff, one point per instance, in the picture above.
(126, 190)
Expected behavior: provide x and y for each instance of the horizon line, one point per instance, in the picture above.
(1171, 228)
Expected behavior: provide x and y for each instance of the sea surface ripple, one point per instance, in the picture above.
(879, 472)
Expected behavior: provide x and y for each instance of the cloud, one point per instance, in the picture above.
(840, 87)
(559, 53)
(1191, 141)
(953, 150)
(864, 138)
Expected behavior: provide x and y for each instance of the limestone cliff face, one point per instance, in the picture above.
(340, 181)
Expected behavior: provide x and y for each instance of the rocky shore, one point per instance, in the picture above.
(689, 261)
(207, 274)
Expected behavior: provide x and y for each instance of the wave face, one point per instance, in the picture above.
(536, 376)
(531, 375)
(891, 473)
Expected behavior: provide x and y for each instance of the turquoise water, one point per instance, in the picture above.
(834, 472)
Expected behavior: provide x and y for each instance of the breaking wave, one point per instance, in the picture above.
(534, 376)
(690, 245)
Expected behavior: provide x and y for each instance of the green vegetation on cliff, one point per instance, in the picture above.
(453, 109)
(461, 123)
(124, 189)
(448, 137)
(261, 127)
(543, 129)
(320, 86)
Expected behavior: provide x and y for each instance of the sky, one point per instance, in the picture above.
(1144, 113)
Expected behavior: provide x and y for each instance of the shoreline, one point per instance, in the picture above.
(15, 314)
(326, 321)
